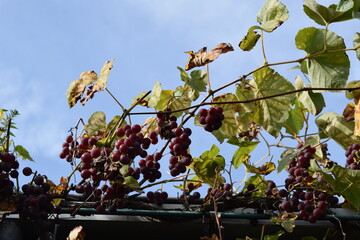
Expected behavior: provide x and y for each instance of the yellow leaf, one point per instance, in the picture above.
(357, 119)
(349, 112)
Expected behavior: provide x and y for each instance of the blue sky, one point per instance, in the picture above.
(44, 45)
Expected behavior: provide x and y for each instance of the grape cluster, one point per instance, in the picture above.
(179, 146)
(191, 195)
(149, 167)
(221, 191)
(301, 191)
(157, 197)
(8, 170)
(353, 157)
(166, 124)
(36, 201)
(211, 118)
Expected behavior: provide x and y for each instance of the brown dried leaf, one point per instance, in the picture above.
(201, 58)
(349, 112)
(58, 189)
(76, 234)
(357, 119)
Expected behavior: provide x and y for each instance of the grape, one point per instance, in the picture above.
(27, 171)
(211, 118)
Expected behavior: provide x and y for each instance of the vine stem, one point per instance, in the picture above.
(115, 99)
(204, 103)
(8, 136)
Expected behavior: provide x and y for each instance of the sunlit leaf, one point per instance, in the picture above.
(78, 86)
(76, 234)
(96, 122)
(180, 100)
(197, 80)
(296, 119)
(314, 102)
(1, 114)
(100, 83)
(149, 125)
(164, 101)
(334, 126)
(144, 102)
(23, 153)
(131, 182)
(201, 58)
(345, 182)
(272, 14)
(349, 112)
(242, 153)
(326, 15)
(209, 165)
(155, 94)
(264, 169)
(273, 112)
(259, 182)
(58, 189)
(329, 69)
(249, 41)
(355, 94)
(356, 41)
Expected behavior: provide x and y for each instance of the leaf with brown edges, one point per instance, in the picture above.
(201, 58)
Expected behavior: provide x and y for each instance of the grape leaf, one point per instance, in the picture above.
(272, 14)
(23, 153)
(209, 165)
(273, 112)
(242, 153)
(249, 41)
(356, 42)
(96, 122)
(231, 121)
(334, 126)
(355, 94)
(201, 58)
(314, 102)
(346, 182)
(328, 69)
(144, 102)
(198, 79)
(149, 125)
(286, 220)
(78, 86)
(180, 100)
(296, 119)
(259, 182)
(357, 119)
(165, 97)
(349, 112)
(1, 114)
(326, 15)
(274, 236)
(264, 169)
(155, 94)
(100, 83)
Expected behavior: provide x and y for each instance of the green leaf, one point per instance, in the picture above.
(274, 236)
(259, 183)
(230, 123)
(272, 14)
(249, 41)
(155, 94)
(353, 94)
(23, 153)
(346, 182)
(328, 69)
(356, 41)
(198, 79)
(334, 126)
(180, 100)
(132, 182)
(209, 166)
(144, 102)
(1, 114)
(314, 102)
(326, 15)
(78, 86)
(242, 153)
(96, 122)
(296, 119)
(273, 112)
(165, 97)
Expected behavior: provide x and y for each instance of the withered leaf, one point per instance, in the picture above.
(349, 112)
(357, 120)
(201, 58)
(7, 207)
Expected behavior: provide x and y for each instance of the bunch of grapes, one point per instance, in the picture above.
(8, 170)
(36, 201)
(211, 118)
(301, 191)
(353, 157)
(149, 167)
(157, 197)
(221, 191)
(190, 195)
(166, 124)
